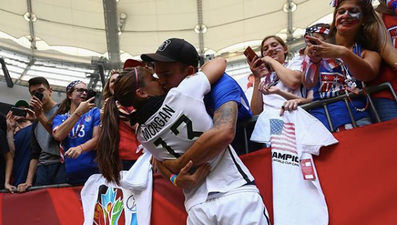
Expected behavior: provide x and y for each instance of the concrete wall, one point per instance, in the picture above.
(12, 95)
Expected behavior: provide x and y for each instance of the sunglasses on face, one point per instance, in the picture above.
(81, 90)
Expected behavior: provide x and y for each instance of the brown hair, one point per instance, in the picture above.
(64, 107)
(106, 90)
(367, 36)
(125, 87)
(278, 39)
(383, 9)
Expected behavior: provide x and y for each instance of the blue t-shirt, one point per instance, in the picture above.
(78, 170)
(22, 154)
(224, 90)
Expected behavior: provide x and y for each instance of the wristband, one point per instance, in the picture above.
(82, 149)
(173, 179)
(75, 113)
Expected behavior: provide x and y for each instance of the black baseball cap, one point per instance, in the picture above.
(23, 103)
(174, 50)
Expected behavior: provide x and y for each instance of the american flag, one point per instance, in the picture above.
(61, 153)
(282, 135)
(332, 84)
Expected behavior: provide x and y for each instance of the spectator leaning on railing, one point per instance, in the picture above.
(44, 160)
(273, 75)
(333, 67)
(384, 101)
(19, 132)
(76, 125)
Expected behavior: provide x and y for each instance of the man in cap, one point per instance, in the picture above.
(174, 60)
(19, 132)
(22, 104)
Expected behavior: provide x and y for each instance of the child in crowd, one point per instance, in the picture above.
(279, 76)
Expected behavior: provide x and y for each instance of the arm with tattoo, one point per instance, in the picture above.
(211, 142)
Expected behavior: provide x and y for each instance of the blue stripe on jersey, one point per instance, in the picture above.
(244, 175)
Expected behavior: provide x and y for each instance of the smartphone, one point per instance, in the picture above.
(39, 95)
(273, 83)
(249, 53)
(91, 93)
(312, 42)
(18, 112)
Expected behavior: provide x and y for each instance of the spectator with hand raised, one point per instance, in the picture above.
(76, 125)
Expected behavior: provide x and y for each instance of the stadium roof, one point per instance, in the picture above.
(77, 33)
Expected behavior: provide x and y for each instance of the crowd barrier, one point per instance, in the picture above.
(248, 125)
(357, 176)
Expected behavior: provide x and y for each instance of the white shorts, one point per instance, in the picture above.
(242, 206)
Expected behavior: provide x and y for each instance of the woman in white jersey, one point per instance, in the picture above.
(273, 75)
(170, 124)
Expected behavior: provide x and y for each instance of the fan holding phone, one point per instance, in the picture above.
(19, 131)
(36, 102)
(21, 109)
(283, 79)
(76, 125)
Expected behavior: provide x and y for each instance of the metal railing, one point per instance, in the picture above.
(32, 188)
(247, 124)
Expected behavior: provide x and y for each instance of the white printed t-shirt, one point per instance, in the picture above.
(177, 125)
(295, 136)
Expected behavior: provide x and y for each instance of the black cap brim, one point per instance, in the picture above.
(156, 58)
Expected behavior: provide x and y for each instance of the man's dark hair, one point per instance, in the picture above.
(39, 80)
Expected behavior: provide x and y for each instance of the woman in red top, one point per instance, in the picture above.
(124, 153)
(384, 101)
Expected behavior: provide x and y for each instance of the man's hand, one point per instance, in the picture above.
(188, 181)
(36, 105)
(23, 187)
(11, 123)
(10, 188)
(30, 114)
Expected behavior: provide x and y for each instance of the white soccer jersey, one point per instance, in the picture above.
(177, 125)
(294, 137)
